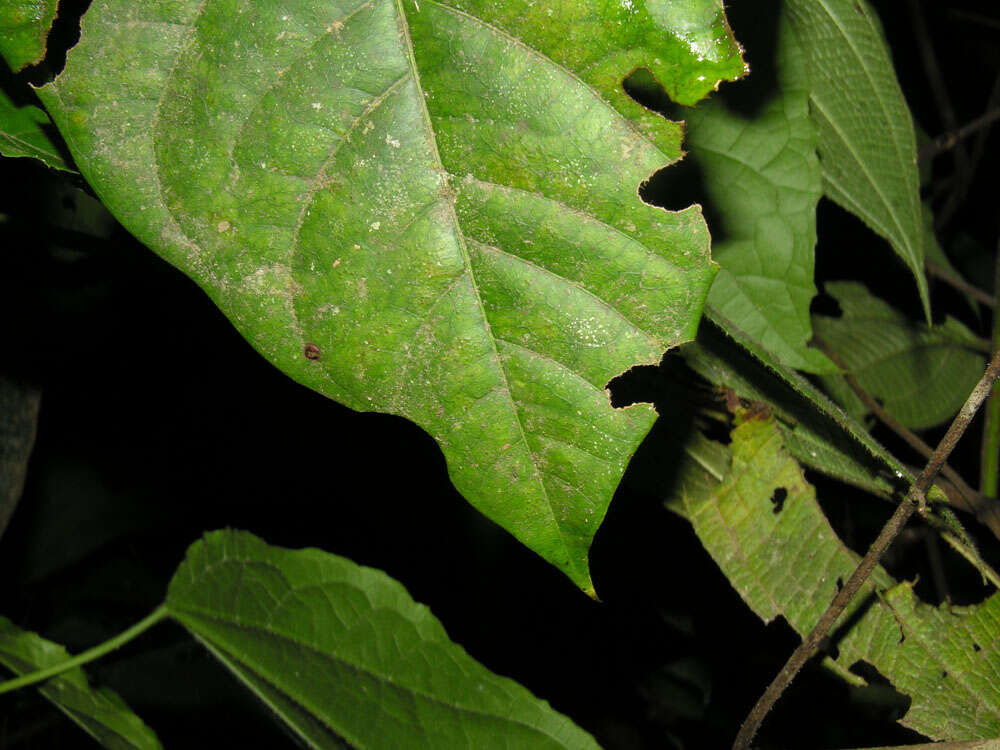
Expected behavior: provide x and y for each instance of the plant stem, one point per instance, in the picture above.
(961, 284)
(914, 499)
(971, 500)
(160, 613)
(989, 472)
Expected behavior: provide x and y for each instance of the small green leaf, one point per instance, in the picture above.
(341, 652)
(417, 208)
(764, 179)
(101, 713)
(921, 374)
(23, 133)
(764, 528)
(867, 146)
(24, 27)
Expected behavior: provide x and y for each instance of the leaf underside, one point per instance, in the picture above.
(407, 208)
(342, 653)
(921, 374)
(867, 146)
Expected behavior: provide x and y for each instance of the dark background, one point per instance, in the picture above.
(158, 422)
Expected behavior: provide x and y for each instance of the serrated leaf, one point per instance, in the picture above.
(819, 433)
(23, 133)
(100, 712)
(341, 652)
(867, 146)
(921, 374)
(409, 209)
(763, 177)
(24, 27)
(764, 528)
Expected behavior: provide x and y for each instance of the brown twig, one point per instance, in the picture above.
(915, 498)
(973, 501)
(961, 284)
(963, 181)
(936, 81)
(947, 141)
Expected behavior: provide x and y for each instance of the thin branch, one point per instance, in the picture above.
(963, 180)
(961, 284)
(972, 501)
(915, 498)
(989, 464)
(936, 81)
(947, 141)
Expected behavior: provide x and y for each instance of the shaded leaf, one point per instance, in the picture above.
(23, 133)
(442, 224)
(341, 652)
(867, 146)
(787, 561)
(19, 402)
(921, 374)
(101, 712)
(763, 177)
(24, 26)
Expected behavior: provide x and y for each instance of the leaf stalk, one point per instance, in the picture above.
(101, 649)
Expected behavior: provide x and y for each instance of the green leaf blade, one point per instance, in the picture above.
(763, 176)
(342, 651)
(100, 712)
(24, 27)
(867, 145)
(443, 224)
(788, 562)
(23, 134)
(921, 374)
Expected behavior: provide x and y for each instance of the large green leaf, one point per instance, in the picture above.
(763, 177)
(341, 652)
(415, 208)
(24, 25)
(867, 146)
(22, 133)
(100, 712)
(764, 528)
(921, 374)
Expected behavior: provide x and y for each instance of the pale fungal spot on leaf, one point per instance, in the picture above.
(336, 262)
(223, 226)
(391, 141)
(374, 226)
(317, 105)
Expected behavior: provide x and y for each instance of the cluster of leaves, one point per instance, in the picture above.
(446, 212)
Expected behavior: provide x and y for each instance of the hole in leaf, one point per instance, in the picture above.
(778, 498)
(879, 699)
(825, 304)
(642, 86)
(63, 36)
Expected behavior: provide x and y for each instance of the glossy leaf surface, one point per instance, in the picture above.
(100, 712)
(342, 653)
(764, 528)
(24, 25)
(423, 209)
